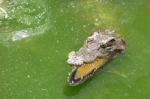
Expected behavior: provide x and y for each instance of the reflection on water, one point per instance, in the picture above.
(19, 35)
(3, 13)
(22, 19)
(22, 34)
(36, 16)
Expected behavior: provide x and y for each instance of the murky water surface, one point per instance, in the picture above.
(36, 36)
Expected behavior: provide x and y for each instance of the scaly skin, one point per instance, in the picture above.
(98, 49)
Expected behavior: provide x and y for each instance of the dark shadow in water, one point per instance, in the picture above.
(73, 90)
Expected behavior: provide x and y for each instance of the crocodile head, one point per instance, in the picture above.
(97, 50)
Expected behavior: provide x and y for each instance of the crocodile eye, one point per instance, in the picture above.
(112, 40)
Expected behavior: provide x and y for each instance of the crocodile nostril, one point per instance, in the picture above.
(103, 46)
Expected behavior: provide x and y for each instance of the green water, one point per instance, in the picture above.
(33, 66)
